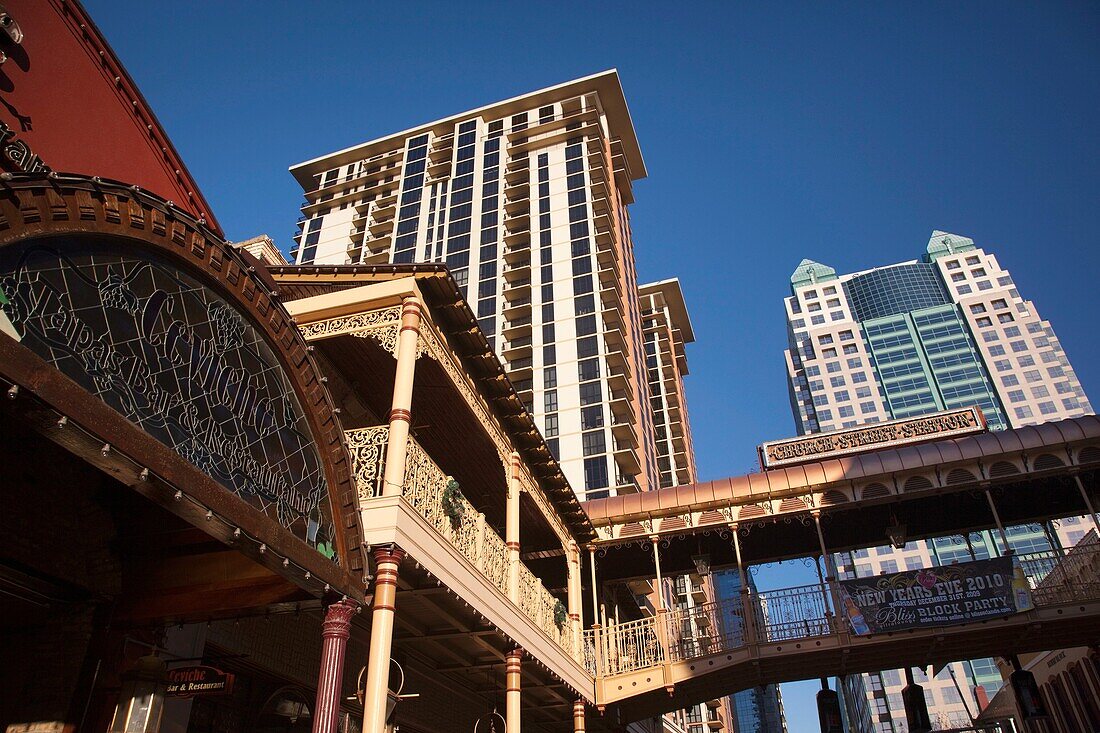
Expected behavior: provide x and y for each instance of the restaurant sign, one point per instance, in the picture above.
(938, 596)
(938, 426)
(176, 359)
(198, 680)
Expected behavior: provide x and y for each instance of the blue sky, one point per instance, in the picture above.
(844, 132)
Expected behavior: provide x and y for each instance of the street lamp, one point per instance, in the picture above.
(141, 699)
(896, 534)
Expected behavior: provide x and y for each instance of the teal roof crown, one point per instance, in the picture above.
(944, 243)
(809, 272)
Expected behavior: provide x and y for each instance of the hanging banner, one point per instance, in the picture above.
(939, 596)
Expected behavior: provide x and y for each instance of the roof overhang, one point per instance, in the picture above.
(673, 294)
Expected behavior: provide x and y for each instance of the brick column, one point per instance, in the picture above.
(400, 417)
(330, 680)
(511, 694)
(381, 638)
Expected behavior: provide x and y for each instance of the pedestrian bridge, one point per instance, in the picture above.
(947, 488)
(794, 633)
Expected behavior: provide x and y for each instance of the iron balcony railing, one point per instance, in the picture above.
(792, 614)
(470, 535)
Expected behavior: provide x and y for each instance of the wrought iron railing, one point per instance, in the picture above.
(804, 612)
(464, 527)
(793, 613)
(708, 628)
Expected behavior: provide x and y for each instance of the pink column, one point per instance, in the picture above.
(335, 631)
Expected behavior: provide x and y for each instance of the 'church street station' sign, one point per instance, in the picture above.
(941, 425)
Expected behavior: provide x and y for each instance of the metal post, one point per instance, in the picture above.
(574, 593)
(831, 585)
(597, 635)
(511, 527)
(657, 565)
(748, 607)
(335, 630)
(1088, 503)
(595, 593)
(388, 560)
(997, 519)
(512, 674)
(400, 417)
(664, 638)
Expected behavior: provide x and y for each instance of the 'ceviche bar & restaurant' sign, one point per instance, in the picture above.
(198, 680)
(938, 596)
(941, 425)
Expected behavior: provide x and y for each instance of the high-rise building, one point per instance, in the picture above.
(946, 331)
(949, 330)
(526, 201)
(666, 328)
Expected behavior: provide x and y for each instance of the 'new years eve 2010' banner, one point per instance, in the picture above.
(938, 596)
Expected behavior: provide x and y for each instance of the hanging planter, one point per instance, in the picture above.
(453, 505)
(559, 614)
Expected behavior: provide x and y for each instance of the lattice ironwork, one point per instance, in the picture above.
(464, 527)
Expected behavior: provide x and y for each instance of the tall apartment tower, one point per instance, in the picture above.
(526, 201)
(665, 329)
(949, 330)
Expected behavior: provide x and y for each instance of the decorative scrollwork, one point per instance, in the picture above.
(456, 520)
(383, 325)
(367, 447)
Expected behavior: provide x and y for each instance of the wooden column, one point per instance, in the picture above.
(511, 699)
(400, 417)
(335, 631)
(388, 560)
(578, 716)
(511, 527)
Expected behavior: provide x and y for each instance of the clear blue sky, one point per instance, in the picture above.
(844, 132)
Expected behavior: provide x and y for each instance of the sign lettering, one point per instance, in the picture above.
(198, 680)
(938, 596)
(178, 361)
(949, 424)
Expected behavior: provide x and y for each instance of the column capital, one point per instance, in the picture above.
(389, 554)
(515, 656)
(338, 615)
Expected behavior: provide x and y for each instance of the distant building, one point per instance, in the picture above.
(949, 330)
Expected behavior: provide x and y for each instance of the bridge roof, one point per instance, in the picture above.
(864, 466)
